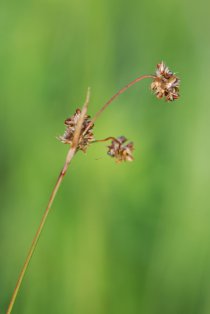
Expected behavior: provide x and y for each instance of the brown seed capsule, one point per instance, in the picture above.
(120, 151)
(71, 123)
(166, 83)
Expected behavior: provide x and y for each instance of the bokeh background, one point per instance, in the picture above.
(121, 238)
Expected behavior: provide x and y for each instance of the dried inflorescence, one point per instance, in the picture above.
(166, 83)
(79, 135)
(85, 138)
(121, 151)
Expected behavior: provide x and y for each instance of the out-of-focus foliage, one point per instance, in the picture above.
(121, 238)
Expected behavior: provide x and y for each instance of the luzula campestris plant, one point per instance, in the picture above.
(79, 135)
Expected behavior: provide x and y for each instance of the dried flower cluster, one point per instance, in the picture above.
(79, 134)
(121, 151)
(71, 123)
(166, 83)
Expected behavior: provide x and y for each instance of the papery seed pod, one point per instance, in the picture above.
(166, 83)
(71, 123)
(121, 151)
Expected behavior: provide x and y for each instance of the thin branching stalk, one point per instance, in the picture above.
(108, 139)
(72, 151)
(165, 85)
(121, 91)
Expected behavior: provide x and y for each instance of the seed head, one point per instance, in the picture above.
(166, 83)
(119, 151)
(71, 123)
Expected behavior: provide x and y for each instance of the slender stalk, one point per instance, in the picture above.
(107, 139)
(121, 91)
(72, 151)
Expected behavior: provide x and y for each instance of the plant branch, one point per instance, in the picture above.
(121, 91)
(72, 151)
(107, 139)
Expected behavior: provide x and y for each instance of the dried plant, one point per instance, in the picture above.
(71, 124)
(79, 135)
(166, 83)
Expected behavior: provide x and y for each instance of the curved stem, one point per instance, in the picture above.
(107, 139)
(121, 91)
(72, 151)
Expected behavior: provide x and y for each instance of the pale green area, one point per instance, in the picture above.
(121, 239)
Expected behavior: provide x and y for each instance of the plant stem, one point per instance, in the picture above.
(107, 139)
(121, 91)
(72, 151)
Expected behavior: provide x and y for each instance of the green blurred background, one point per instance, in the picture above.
(128, 238)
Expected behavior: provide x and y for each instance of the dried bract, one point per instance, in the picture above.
(121, 151)
(166, 83)
(71, 123)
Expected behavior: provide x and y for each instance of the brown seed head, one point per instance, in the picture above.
(119, 151)
(166, 83)
(71, 123)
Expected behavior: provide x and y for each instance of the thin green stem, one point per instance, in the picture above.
(72, 151)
